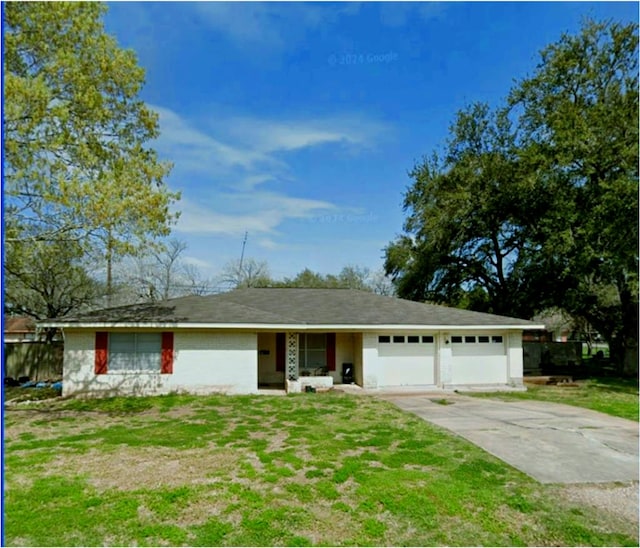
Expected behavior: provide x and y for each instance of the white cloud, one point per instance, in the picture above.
(257, 213)
(270, 136)
(198, 263)
(268, 26)
(268, 243)
(194, 150)
(224, 168)
(249, 144)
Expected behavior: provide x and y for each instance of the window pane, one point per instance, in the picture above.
(134, 351)
(483, 339)
(496, 339)
(148, 342)
(148, 361)
(122, 347)
(427, 339)
(312, 350)
(413, 339)
(120, 361)
(384, 339)
(316, 341)
(470, 339)
(316, 358)
(398, 338)
(456, 339)
(122, 342)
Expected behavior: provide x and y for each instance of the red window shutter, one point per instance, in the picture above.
(280, 351)
(166, 358)
(331, 351)
(102, 352)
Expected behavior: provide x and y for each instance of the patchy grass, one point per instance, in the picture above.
(617, 397)
(18, 394)
(312, 469)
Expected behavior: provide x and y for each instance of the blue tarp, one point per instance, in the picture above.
(32, 384)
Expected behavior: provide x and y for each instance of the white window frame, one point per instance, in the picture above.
(304, 349)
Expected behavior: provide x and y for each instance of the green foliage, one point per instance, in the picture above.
(465, 219)
(350, 277)
(47, 279)
(76, 165)
(253, 273)
(114, 405)
(535, 204)
(580, 123)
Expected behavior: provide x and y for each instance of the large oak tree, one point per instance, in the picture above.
(536, 204)
(580, 118)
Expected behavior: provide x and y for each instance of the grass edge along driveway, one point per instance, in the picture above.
(310, 469)
(616, 397)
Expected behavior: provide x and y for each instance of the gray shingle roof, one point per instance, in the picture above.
(278, 306)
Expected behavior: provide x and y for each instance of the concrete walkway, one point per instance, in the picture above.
(552, 443)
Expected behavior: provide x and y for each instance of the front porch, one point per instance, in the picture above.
(317, 359)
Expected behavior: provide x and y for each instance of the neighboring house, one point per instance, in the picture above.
(19, 329)
(239, 341)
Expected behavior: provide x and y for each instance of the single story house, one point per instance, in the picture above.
(240, 341)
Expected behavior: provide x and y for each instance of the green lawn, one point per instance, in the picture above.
(312, 469)
(617, 397)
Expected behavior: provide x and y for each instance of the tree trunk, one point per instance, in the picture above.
(629, 350)
(630, 361)
(109, 268)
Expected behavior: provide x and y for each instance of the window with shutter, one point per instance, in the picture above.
(134, 352)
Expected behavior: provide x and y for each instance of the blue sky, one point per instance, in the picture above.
(298, 122)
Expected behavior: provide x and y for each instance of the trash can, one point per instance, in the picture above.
(347, 373)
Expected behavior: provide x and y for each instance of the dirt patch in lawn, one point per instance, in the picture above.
(47, 424)
(620, 501)
(130, 469)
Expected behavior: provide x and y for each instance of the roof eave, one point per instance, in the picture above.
(287, 326)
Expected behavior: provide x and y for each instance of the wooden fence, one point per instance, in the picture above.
(542, 357)
(39, 361)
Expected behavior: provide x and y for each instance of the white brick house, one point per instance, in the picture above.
(240, 341)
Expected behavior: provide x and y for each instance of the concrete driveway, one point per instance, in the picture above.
(552, 443)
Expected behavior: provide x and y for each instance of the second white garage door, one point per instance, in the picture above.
(478, 359)
(407, 359)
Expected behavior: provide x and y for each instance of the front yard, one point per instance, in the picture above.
(312, 469)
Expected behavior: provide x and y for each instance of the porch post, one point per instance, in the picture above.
(292, 356)
(444, 359)
(515, 359)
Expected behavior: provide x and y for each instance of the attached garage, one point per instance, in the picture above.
(407, 359)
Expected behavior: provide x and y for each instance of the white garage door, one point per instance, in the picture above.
(479, 359)
(407, 359)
